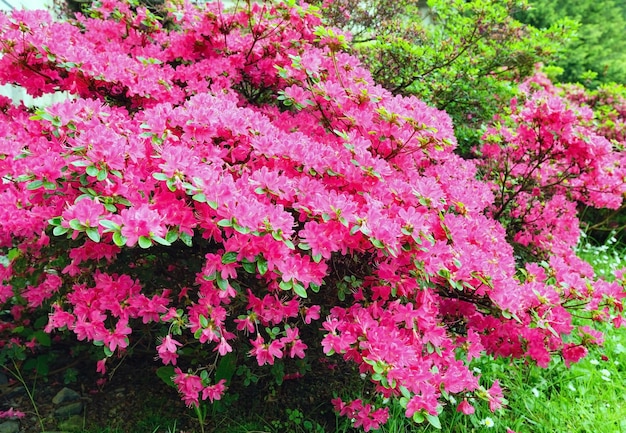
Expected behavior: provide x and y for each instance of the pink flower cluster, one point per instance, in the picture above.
(238, 176)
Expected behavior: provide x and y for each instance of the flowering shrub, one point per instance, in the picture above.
(546, 156)
(238, 178)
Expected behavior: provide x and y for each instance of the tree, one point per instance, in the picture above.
(598, 48)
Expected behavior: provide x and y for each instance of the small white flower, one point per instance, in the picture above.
(571, 387)
(606, 374)
(488, 422)
(535, 392)
(476, 370)
(594, 362)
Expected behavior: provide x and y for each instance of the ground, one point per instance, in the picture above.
(135, 400)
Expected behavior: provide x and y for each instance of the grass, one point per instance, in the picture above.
(588, 397)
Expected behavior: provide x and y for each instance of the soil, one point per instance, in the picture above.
(135, 400)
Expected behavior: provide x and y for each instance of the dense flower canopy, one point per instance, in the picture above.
(237, 176)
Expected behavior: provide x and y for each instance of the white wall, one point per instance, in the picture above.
(24, 4)
(16, 93)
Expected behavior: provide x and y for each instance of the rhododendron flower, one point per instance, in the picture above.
(465, 407)
(214, 392)
(86, 212)
(11, 414)
(167, 350)
(495, 396)
(189, 385)
(140, 222)
(118, 337)
(266, 353)
(312, 313)
(573, 353)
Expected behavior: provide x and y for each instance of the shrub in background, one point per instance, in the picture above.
(225, 175)
(464, 57)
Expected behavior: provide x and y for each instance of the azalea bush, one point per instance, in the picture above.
(237, 183)
(608, 103)
(550, 153)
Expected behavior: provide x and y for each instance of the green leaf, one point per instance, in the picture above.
(42, 338)
(226, 368)
(433, 420)
(166, 374)
(418, 417)
(377, 243)
(92, 170)
(93, 234)
(160, 240)
(200, 197)
(35, 184)
(171, 236)
(110, 225)
(248, 266)
(241, 229)
(225, 223)
(229, 257)
(261, 264)
(286, 285)
(160, 176)
(222, 283)
(76, 225)
(299, 289)
(118, 239)
(187, 239)
(144, 242)
(56, 221)
(50, 186)
(59, 231)
(405, 392)
(102, 174)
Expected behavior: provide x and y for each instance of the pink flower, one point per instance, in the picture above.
(495, 396)
(101, 366)
(312, 313)
(118, 337)
(573, 353)
(266, 353)
(86, 211)
(141, 221)
(11, 414)
(214, 392)
(465, 407)
(167, 350)
(189, 385)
